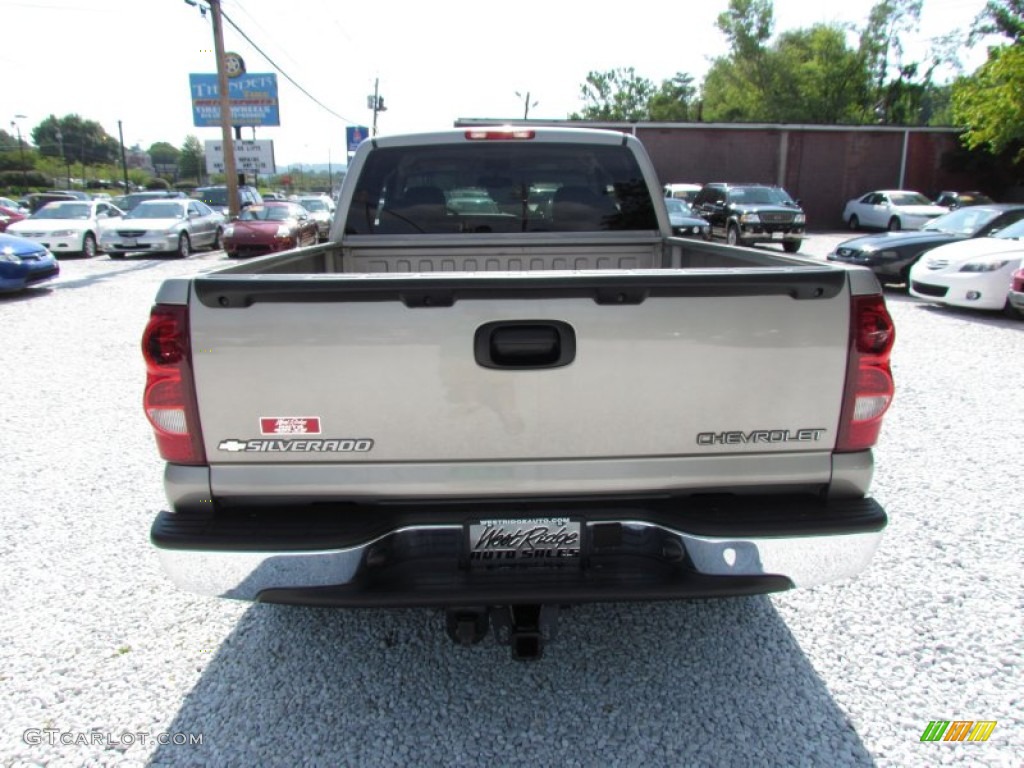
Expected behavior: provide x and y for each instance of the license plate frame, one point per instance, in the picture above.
(524, 541)
(778, 235)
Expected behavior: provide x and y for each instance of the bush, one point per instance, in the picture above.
(157, 184)
(28, 178)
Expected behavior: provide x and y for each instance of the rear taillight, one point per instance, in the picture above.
(170, 396)
(869, 386)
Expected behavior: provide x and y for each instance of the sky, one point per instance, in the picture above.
(129, 60)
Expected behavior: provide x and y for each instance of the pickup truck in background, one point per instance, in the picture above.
(535, 398)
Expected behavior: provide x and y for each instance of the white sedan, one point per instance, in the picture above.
(974, 273)
(892, 209)
(175, 225)
(67, 226)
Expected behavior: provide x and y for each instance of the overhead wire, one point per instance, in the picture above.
(284, 74)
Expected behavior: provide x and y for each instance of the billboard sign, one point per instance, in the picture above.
(354, 135)
(252, 97)
(255, 156)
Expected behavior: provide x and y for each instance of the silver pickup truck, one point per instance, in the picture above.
(503, 387)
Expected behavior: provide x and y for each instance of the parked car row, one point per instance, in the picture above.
(965, 257)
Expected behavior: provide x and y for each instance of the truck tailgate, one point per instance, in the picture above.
(401, 370)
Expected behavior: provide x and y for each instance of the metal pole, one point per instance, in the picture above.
(124, 162)
(330, 174)
(376, 104)
(225, 111)
(21, 151)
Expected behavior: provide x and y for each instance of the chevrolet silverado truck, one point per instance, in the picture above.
(505, 409)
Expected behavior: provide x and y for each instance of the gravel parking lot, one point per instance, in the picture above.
(97, 641)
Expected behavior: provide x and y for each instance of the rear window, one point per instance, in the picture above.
(213, 195)
(500, 187)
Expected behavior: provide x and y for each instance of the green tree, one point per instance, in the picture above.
(826, 78)
(163, 153)
(618, 94)
(991, 102)
(673, 100)
(192, 159)
(75, 140)
(1002, 17)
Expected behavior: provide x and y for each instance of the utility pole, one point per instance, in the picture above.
(124, 163)
(21, 151)
(227, 139)
(526, 104)
(67, 163)
(376, 103)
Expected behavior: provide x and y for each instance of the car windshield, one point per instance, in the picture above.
(964, 221)
(213, 195)
(1014, 231)
(908, 198)
(157, 210)
(64, 211)
(677, 206)
(269, 213)
(762, 195)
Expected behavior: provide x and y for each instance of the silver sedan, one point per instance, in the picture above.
(175, 226)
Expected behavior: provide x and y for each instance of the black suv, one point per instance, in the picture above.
(752, 213)
(217, 197)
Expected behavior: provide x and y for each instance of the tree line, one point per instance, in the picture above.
(837, 74)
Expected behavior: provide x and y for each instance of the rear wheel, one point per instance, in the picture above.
(89, 245)
(218, 240)
(732, 235)
(791, 246)
(854, 222)
(894, 224)
(184, 246)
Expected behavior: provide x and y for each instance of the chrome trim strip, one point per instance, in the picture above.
(805, 560)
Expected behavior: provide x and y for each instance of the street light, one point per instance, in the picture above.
(21, 150)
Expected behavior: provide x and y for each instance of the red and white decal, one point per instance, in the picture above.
(290, 425)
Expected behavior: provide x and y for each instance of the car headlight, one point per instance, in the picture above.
(284, 231)
(229, 230)
(983, 266)
(7, 254)
(800, 218)
(750, 218)
(63, 233)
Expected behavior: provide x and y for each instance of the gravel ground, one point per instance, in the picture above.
(97, 641)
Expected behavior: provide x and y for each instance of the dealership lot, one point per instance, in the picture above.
(97, 641)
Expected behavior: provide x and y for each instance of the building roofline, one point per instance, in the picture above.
(467, 122)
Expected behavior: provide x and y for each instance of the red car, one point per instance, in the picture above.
(9, 216)
(1015, 302)
(269, 227)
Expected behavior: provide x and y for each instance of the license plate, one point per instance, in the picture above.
(128, 243)
(542, 541)
(777, 235)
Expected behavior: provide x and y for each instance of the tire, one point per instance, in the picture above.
(894, 224)
(854, 223)
(115, 255)
(1012, 312)
(791, 246)
(184, 246)
(89, 245)
(218, 240)
(732, 235)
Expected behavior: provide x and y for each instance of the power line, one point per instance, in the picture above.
(283, 73)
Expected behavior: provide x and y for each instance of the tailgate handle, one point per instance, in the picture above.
(524, 344)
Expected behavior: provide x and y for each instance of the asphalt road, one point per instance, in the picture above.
(99, 653)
